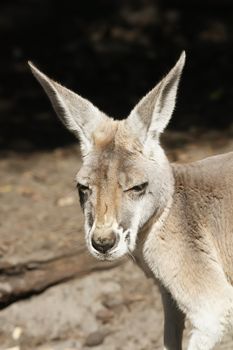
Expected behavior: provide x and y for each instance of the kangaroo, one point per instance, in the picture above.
(175, 219)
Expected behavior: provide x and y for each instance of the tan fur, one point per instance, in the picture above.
(104, 134)
(176, 220)
(110, 139)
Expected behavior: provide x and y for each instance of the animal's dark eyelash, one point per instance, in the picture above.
(84, 192)
(82, 187)
(138, 188)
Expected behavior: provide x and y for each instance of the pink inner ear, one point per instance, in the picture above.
(155, 109)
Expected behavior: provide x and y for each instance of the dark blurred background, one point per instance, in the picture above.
(112, 52)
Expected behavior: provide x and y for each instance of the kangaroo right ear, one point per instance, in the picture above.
(78, 114)
(152, 114)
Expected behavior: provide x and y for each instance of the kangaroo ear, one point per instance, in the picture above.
(152, 114)
(78, 114)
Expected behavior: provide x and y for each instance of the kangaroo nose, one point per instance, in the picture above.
(104, 244)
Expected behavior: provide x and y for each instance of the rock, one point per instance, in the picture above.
(17, 332)
(66, 201)
(71, 344)
(104, 315)
(95, 338)
(112, 301)
(6, 188)
(133, 298)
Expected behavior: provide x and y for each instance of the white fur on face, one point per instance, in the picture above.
(117, 252)
(139, 212)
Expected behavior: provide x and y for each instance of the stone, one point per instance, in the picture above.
(104, 315)
(95, 338)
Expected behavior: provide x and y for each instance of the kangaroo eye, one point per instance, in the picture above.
(139, 188)
(84, 192)
(82, 188)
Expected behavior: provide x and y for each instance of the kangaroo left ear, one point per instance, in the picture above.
(152, 114)
(78, 114)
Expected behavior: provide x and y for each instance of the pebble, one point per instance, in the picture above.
(17, 333)
(104, 315)
(66, 201)
(111, 301)
(95, 338)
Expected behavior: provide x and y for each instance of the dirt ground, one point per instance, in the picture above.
(82, 304)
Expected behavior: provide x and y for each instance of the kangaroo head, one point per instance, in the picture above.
(125, 178)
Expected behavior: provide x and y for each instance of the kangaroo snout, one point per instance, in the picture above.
(103, 242)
